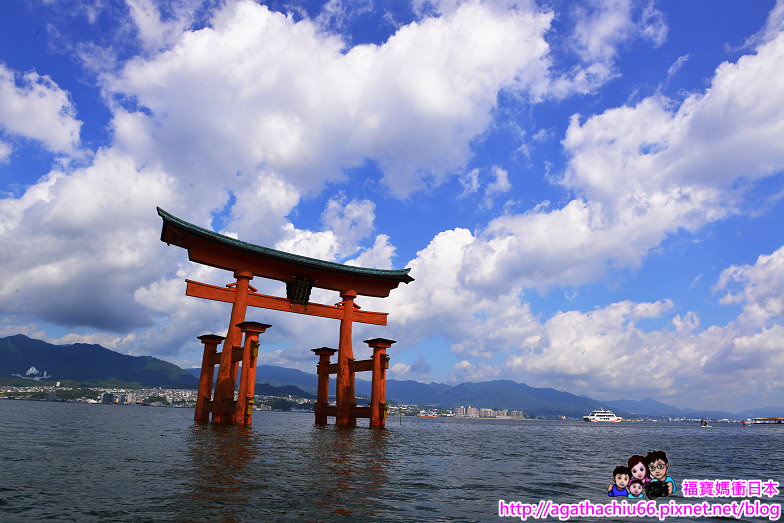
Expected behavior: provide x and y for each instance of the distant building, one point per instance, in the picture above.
(472, 412)
(487, 413)
(517, 414)
(107, 398)
(460, 412)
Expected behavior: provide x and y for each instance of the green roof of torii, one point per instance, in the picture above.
(400, 275)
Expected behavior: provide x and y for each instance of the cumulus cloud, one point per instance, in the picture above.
(377, 256)
(280, 93)
(759, 288)
(600, 352)
(275, 109)
(156, 32)
(33, 106)
(640, 173)
(256, 111)
(77, 245)
(420, 370)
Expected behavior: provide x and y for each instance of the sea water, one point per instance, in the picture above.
(82, 462)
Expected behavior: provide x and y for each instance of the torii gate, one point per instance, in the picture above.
(300, 274)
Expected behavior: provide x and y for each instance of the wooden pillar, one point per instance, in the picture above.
(378, 391)
(344, 389)
(223, 404)
(204, 398)
(243, 413)
(322, 396)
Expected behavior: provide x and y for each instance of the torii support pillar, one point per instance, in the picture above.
(223, 406)
(204, 398)
(322, 396)
(243, 414)
(378, 391)
(344, 384)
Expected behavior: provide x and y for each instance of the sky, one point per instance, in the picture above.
(590, 196)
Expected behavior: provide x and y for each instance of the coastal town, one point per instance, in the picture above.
(186, 398)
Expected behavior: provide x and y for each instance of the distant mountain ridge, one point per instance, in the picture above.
(85, 362)
(20, 356)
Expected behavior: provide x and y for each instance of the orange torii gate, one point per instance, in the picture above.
(300, 274)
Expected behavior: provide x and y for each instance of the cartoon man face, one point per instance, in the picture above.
(635, 489)
(638, 471)
(658, 469)
(621, 480)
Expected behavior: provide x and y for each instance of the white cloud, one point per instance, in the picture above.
(5, 152)
(759, 287)
(652, 24)
(640, 173)
(350, 221)
(97, 338)
(378, 256)
(346, 224)
(774, 24)
(77, 245)
(497, 185)
(600, 352)
(601, 29)
(470, 182)
(153, 31)
(399, 371)
(322, 245)
(465, 370)
(279, 93)
(336, 14)
(34, 106)
(676, 65)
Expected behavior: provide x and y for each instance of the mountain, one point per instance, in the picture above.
(279, 377)
(650, 407)
(21, 356)
(24, 359)
(266, 389)
(763, 412)
(647, 407)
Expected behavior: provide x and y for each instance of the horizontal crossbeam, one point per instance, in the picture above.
(236, 355)
(356, 366)
(357, 412)
(264, 301)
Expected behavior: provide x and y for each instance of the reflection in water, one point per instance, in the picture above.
(279, 469)
(221, 477)
(349, 471)
(77, 462)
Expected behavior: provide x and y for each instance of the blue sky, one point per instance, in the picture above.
(588, 195)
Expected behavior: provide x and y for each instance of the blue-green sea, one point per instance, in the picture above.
(80, 462)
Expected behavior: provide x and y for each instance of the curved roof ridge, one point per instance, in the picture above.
(389, 274)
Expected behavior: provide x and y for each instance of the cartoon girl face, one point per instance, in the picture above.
(638, 471)
(635, 489)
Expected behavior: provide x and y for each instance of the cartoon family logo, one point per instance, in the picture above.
(643, 476)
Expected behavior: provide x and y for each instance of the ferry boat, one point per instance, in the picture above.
(602, 416)
(767, 421)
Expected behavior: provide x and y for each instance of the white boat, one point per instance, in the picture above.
(767, 421)
(602, 416)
